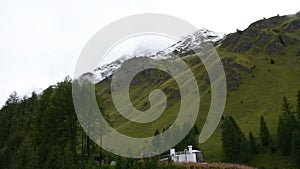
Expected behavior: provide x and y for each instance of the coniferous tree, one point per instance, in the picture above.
(60, 124)
(264, 133)
(253, 145)
(190, 139)
(60, 158)
(87, 113)
(286, 107)
(5, 132)
(293, 123)
(122, 163)
(68, 158)
(26, 157)
(91, 164)
(281, 136)
(13, 99)
(234, 143)
(286, 125)
(296, 148)
(298, 105)
(53, 159)
(284, 131)
(12, 132)
(194, 136)
(40, 128)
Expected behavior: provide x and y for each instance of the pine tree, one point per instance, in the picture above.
(298, 105)
(286, 107)
(60, 124)
(264, 133)
(91, 164)
(13, 99)
(293, 123)
(253, 145)
(296, 148)
(54, 159)
(234, 143)
(60, 158)
(284, 136)
(286, 125)
(40, 128)
(26, 157)
(190, 139)
(281, 134)
(122, 163)
(68, 158)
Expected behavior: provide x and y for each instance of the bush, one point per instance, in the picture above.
(272, 61)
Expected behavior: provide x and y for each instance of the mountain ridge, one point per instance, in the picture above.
(261, 65)
(185, 44)
(258, 76)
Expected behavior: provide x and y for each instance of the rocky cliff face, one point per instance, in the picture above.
(271, 36)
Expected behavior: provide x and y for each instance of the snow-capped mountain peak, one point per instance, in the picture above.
(185, 44)
(191, 42)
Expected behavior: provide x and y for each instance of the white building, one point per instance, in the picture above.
(187, 156)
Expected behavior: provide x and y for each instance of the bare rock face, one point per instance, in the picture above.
(287, 40)
(243, 47)
(230, 41)
(293, 26)
(263, 38)
(275, 47)
(273, 36)
(250, 32)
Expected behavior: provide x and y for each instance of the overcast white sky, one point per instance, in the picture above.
(40, 41)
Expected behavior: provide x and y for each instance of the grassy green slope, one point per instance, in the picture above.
(255, 86)
(259, 95)
(261, 92)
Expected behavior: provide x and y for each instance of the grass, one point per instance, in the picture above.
(268, 160)
(260, 94)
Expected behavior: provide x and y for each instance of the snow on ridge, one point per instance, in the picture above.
(106, 70)
(186, 43)
(191, 41)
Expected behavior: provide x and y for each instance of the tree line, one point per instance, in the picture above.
(238, 148)
(42, 132)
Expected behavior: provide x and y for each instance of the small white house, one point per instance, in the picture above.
(187, 156)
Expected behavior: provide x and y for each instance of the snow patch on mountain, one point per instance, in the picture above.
(190, 42)
(186, 43)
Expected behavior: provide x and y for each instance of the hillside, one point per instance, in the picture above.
(261, 65)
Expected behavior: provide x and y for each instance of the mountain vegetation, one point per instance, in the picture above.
(263, 99)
